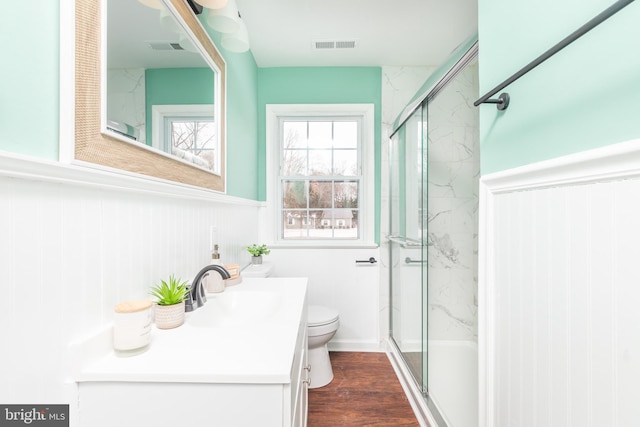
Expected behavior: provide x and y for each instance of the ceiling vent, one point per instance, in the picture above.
(163, 45)
(345, 44)
(334, 44)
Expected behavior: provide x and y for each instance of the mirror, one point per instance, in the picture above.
(121, 121)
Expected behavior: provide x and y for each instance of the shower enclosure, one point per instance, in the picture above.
(434, 171)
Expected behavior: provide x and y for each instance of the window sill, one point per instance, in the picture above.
(323, 245)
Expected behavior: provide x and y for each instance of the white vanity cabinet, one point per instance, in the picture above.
(298, 388)
(265, 384)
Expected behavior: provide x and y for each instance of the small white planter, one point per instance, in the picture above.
(169, 316)
(256, 259)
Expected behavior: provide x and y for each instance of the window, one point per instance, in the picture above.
(192, 139)
(187, 132)
(321, 171)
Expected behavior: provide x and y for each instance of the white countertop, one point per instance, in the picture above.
(257, 351)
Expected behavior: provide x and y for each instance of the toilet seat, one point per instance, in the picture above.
(318, 315)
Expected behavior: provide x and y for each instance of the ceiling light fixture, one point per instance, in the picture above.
(212, 4)
(237, 41)
(225, 20)
(168, 22)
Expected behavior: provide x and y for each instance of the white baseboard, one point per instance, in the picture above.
(360, 346)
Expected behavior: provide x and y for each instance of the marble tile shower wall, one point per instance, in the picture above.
(453, 172)
(69, 253)
(127, 98)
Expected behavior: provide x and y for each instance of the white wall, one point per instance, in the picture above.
(73, 244)
(560, 332)
(335, 280)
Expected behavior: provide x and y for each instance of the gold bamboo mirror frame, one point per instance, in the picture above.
(94, 146)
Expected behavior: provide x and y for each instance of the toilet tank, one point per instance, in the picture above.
(258, 270)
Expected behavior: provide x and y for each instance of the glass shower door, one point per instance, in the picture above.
(434, 171)
(407, 228)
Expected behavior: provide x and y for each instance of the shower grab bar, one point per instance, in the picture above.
(408, 260)
(503, 100)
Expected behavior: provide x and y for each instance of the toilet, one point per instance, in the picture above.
(322, 325)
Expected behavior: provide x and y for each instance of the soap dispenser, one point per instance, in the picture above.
(213, 282)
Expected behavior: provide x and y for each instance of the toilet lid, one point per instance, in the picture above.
(318, 315)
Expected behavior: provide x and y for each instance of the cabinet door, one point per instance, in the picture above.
(300, 381)
(302, 403)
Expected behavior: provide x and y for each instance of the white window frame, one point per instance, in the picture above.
(158, 130)
(274, 220)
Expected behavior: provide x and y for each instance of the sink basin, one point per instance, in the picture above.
(236, 308)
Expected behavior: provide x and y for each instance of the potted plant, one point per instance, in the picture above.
(169, 307)
(256, 252)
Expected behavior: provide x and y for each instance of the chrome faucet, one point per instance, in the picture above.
(197, 295)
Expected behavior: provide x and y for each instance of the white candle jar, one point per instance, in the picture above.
(132, 325)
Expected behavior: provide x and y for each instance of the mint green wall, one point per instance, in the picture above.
(29, 76)
(320, 85)
(586, 96)
(29, 84)
(176, 86)
(242, 121)
(242, 126)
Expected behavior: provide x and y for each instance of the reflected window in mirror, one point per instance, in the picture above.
(188, 132)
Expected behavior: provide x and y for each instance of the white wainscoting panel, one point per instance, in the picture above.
(336, 281)
(560, 285)
(72, 248)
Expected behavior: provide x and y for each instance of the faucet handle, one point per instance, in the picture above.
(203, 291)
(188, 302)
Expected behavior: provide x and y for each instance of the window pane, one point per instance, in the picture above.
(345, 134)
(294, 134)
(324, 227)
(345, 162)
(206, 135)
(320, 134)
(294, 194)
(320, 162)
(320, 194)
(346, 224)
(194, 141)
(294, 224)
(346, 194)
(294, 162)
(209, 158)
(320, 233)
(192, 135)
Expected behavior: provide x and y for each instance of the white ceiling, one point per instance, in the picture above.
(131, 26)
(282, 32)
(387, 32)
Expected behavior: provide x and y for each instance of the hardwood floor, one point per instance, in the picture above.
(364, 392)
